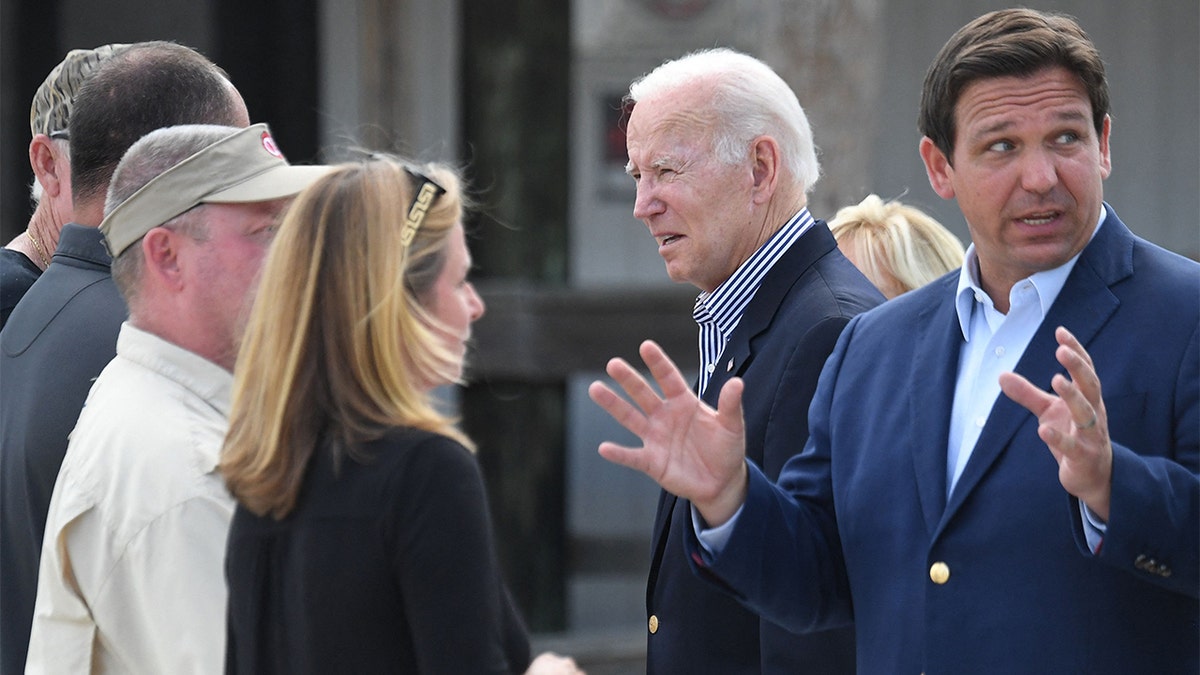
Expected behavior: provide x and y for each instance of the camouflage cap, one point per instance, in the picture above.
(51, 109)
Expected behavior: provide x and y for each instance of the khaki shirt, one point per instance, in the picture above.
(131, 576)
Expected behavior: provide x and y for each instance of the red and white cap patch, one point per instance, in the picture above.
(268, 144)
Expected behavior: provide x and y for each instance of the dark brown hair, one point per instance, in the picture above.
(1009, 42)
(148, 86)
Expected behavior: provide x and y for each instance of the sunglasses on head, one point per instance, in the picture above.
(425, 190)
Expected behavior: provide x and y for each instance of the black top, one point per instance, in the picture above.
(383, 567)
(58, 340)
(17, 274)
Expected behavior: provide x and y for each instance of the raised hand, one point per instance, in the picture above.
(1073, 424)
(688, 448)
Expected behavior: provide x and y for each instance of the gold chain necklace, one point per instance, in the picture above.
(37, 246)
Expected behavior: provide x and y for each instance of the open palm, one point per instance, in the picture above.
(688, 448)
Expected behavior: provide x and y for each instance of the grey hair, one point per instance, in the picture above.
(145, 160)
(156, 152)
(749, 99)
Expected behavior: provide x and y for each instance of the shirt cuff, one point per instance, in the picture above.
(1093, 527)
(713, 539)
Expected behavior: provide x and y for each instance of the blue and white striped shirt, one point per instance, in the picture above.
(719, 312)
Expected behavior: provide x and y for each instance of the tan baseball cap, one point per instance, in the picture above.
(245, 166)
(51, 109)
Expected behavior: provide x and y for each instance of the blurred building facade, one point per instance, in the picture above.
(526, 95)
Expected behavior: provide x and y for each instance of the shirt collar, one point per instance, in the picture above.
(206, 380)
(727, 302)
(82, 243)
(1048, 283)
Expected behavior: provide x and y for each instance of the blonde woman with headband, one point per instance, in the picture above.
(362, 541)
(898, 247)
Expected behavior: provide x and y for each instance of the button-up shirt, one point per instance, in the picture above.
(132, 576)
(992, 344)
(719, 312)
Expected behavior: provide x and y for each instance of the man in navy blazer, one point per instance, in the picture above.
(723, 158)
(970, 493)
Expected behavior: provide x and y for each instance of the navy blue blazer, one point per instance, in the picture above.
(997, 578)
(778, 348)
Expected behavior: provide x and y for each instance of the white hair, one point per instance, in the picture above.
(749, 100)
(35, 188)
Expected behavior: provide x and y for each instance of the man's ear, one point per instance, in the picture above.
(938, 168)
(766, 163)
(1105, 150)
(160, 248)
(41, 160)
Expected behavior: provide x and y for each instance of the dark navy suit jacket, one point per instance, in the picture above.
(859, 520)
(778, 348)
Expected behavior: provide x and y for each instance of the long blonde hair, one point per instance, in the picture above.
(338, 347)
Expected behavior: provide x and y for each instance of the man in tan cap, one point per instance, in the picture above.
(64, 331)
(132, 576)
(24, 259)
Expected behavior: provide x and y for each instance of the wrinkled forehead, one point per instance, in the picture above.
(667, 127)
(689, 106)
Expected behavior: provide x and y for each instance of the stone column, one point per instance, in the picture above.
(831, 52)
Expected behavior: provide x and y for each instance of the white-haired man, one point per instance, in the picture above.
(24, 258)
(724, 159)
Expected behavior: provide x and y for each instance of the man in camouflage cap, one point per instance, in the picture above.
(132, 575)
(64, 331)
(24, 259)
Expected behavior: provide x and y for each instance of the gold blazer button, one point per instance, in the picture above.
(939, 573)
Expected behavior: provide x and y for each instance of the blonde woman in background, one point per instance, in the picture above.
(898, 247)
(362, 541)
